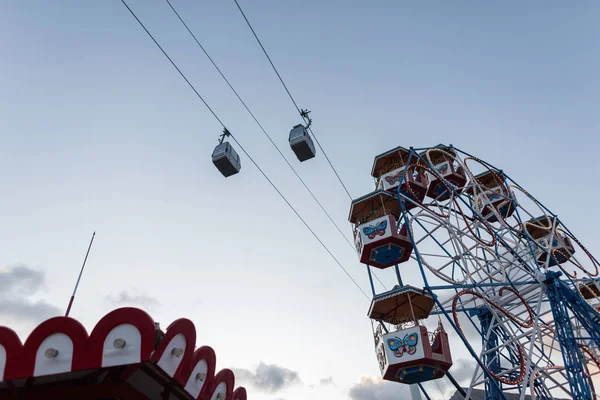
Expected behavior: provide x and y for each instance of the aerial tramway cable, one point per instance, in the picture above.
(248, 155)
(264, 130)
(244, 150)
(292, 98)
(304, 116)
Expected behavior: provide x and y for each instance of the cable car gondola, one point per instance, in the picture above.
(301, 142)
(225, 158)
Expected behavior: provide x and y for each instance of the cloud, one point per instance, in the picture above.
(21, 308)
(326, 381)
(134, 298)
(17, 285)
(323, 382)
(462, 370)
(269, 378)
(20, 280)
(375, 388)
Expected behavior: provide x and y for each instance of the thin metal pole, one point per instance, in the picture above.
(398, 275)
(423, 391)
(456, 385)
(80, 273)
(371, 279)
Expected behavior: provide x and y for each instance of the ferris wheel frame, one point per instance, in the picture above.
(530, 375)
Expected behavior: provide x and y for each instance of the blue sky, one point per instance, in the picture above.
(100, 133)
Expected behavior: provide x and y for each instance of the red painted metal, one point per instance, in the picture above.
(86, 377)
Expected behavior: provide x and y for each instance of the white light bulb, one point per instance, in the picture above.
(51, 353)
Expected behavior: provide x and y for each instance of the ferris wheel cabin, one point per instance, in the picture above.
(395, 166)
(301, 143)
(550, 241)
(490, 195)
(226, 159)
(590, 289)
(443, 161)
(378, 239)
(409, 354)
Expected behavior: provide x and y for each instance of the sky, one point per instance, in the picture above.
(100, 133)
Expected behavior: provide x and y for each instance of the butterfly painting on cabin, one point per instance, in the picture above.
(393, 179)
(443, 169)
(372, 231)
(406, 345)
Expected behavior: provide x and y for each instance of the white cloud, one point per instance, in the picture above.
(18, 284)
(326, 381)
(134, 299)
(322, 382)
(462, 370)
(375, 388)
(268, 377)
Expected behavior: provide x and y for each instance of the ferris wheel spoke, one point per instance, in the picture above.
(533, 343)
(460, 253)
(433, 255)
(484, 264)
(478, 376)
(498, 344)
(539, 390)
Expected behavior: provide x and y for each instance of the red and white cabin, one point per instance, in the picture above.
(552, 243)
(378, 239)
(492, 195)
(443, 160)
(396, 165)
(410, 356)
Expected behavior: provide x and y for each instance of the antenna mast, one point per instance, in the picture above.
(80, 273)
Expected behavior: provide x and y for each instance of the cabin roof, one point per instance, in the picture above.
(535, 226)
(387, 158)
(488, 179)
(400, 302)
(371, 202)
(437, 157)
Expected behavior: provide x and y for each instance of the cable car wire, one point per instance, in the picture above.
(173, 63)
(301, 219)
(245, 152)
(263, 129)
(303, 117)
(292, 98)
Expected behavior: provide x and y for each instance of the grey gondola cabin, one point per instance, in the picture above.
(301, 143)
(226, 159)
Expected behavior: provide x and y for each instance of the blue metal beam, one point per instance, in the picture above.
(561, 300)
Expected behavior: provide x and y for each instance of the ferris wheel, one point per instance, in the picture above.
(500, 271)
